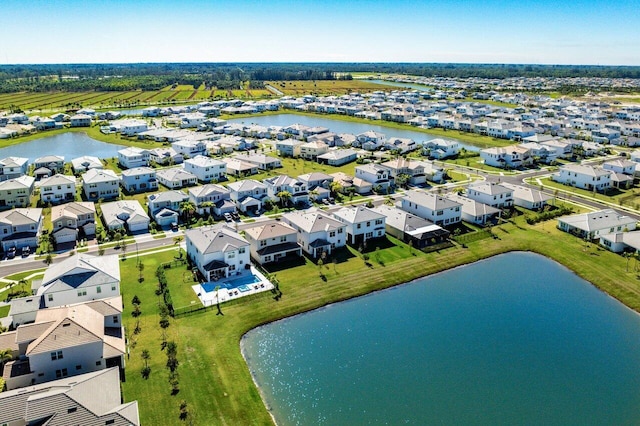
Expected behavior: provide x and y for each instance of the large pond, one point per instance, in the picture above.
(339, 126)
(70, 145)
(516, 339)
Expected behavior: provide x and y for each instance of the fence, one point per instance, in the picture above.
(471, 237)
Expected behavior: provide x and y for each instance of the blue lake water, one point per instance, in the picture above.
(339, 126)
(516, 339)
(69, 145)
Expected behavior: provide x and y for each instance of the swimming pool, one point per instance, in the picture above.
(242, 283)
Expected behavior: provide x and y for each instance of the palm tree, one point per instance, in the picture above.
(285, 198)
(6, 355)
(187, 208)
(335, 187)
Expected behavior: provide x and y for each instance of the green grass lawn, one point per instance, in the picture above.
(214, 379)
(627, 197)
(4, 311)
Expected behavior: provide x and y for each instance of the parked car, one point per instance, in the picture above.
(11, 253)
(26, 251)
(228, 217)
(325, 202)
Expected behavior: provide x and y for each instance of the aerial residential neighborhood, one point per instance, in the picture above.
(204, 218)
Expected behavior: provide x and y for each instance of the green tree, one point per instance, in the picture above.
(285, 198)
(187, 209)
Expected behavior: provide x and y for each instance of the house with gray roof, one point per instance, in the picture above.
(86, 162)
(206, 169)
(338, 157)
(317, 231)
(363, 224)
(88, 399)
(248, 195)
(13, 167)
(410, 228)
(529, 198)
(48, 166)
(77, 279)
(212, 198)
(125, 214)
(594, 224)
(20, 228)
(490, 193)
(432, 207)
(57, 189)
(289, 147)
(272, 242)
(16, 192)
(176, 177)
(217, 251)
(264, 162)
(164, 207)
(100, 184)
(284, 183)
(139, 179)
(376, 174)
(67, 341)
(73, 221)
(132, 156)
(474, 211)
(587, 177)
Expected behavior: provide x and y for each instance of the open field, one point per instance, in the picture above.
(52, 102)
(214, 379)
(328, 87)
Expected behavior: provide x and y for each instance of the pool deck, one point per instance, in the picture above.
(211, 298)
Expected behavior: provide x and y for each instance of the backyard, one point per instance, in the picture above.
(214, 379)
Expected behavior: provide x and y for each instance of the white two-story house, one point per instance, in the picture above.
(363, 224)
(139, 179)
(100, 184)
(20, 228)
(57, 189)
(73, 221)
(376, 174)
(272, 242)
(584, 176)
(433, 207)
(206, 169)
(217, 251)
(212, 198)
(248, 195)
(284, 183)
(133, 157)
(317, 232)
(491, 193)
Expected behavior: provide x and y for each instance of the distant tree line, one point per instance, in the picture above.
(124, 77)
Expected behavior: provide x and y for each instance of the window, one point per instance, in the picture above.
(113, 288)
(115, 319)
(72, 410)
(359, 226)
(241, 250)
(82, 292)
(61, 373)
(50, 298)
(340, 230)
(263, 243)
(78, 367)
(56, 355)
(110, 422)
(98, 363)
(332, 234)
(98, 289)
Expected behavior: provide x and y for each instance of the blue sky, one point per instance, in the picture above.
(491, 31)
